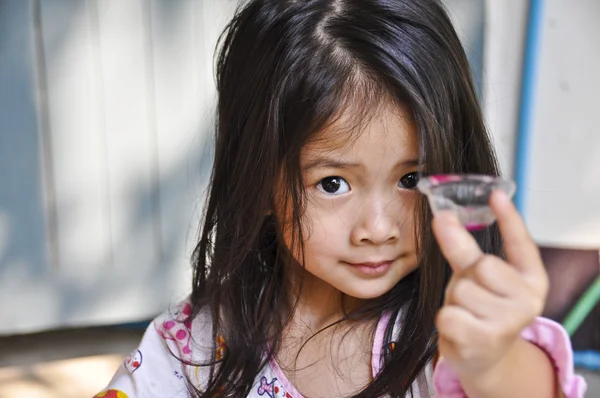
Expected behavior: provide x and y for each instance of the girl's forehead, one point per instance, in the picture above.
(352, 127)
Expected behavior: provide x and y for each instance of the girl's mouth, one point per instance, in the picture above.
(372, 268)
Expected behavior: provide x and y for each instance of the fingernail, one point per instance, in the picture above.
(447, 219)
(501, 197)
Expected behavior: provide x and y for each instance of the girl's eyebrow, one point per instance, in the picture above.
(324, 162)
(408, 163)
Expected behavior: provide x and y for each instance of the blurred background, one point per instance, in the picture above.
(106, 109)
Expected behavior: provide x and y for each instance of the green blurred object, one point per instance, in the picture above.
(582, 308)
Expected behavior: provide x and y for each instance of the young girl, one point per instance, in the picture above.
(320, 271)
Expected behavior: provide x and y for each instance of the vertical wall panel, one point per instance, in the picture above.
(23, 242)
(564, 189)
(505, 29)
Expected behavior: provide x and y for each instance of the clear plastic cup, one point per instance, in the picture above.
(467, 195)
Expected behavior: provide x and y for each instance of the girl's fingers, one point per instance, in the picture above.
(467, 294)
(464, 255)
(456, 325)
(495, 275)
(456, 243)
(520, 249)
(495, 292)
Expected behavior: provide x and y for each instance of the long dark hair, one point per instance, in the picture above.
(285, 69)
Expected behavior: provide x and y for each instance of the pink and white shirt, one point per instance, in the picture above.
(154, 369)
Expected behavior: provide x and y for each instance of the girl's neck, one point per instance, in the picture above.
(315, 357)
(318, 303)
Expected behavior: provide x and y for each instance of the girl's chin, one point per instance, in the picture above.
(368, 291)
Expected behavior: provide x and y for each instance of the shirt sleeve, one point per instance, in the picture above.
(155, 368)
(544, 333)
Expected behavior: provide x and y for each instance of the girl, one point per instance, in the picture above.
(318, 272)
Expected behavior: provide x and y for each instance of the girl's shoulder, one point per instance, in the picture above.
(160, 365)
(192, 342)
(189, 339)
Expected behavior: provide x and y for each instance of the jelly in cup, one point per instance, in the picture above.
(467, 195)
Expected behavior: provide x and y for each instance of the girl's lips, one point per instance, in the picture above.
(372, 269)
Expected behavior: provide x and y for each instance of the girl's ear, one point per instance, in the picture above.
(271, 210)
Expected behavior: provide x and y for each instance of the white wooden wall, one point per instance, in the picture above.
(562, 174)
(563, 190)
(505, 32)
(105, 108)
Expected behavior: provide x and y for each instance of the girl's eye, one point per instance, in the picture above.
(409, 181)
(334, 185)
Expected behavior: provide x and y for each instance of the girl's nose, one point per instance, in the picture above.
(377, 222)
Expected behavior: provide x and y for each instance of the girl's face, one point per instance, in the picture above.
(358, 227)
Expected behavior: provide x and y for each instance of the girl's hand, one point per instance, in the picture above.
(488, 301)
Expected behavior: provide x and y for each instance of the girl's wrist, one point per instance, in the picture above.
(488, 382)
(542, 359)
